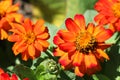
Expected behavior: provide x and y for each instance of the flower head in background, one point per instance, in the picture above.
(108, 13)
(81, 47)
(30, 39)
(5, 76)
(8, 14)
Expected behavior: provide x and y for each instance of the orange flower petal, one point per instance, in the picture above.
(57, 40)
(103, 54)
(28, 25)
(16, 46)
(65, 60)
(98, 17)
(43, 36)
(38, 27)
(112, 28)
(18, 27)
(5, 4)
(90, 60)
(43, 43)
(98, 29)
(77, 72)
(67, 36)
(4, 34)
(13, 8)
(15, 31)
(25, 56)
(38, 46)
(103, 45)
(104, 35)
(78, 59)
(69, 66)
(72, 26)
(80, 21)
(90, 28)
(31, 50)
(68, 47)
(14, 38)
(58, 52)
(22, 48)
(18, 17)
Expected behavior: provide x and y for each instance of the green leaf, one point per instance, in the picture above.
(78, 6)
(89, 16)
(117, 78)
(95, 77)
(100, 77)
(24, 72)
(47, 76)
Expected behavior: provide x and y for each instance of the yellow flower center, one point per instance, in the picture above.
(116, 9)
(85, 42)
(29, 38)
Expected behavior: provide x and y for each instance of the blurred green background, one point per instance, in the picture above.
(55, 11)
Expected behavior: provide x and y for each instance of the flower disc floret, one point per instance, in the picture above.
(85, 42)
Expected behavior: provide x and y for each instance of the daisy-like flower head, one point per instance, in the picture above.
(81, 47)
(8, 14)
(108, 13)
(30, 39)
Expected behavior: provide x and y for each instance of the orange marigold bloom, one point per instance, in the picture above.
(109, 13)
(81, 47)
(30, 38)
(8, 14)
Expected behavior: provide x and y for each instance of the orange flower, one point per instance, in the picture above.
(8, 14)
(81, 47)
(30, 38)
(109, 13)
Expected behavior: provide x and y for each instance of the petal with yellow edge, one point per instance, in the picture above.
(103, 54)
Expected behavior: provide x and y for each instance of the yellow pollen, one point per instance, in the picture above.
(29, 38)
(85, 42)
(116, 9)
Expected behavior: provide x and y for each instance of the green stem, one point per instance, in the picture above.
(49, 53)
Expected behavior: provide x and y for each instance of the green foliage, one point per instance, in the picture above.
(47, 70)
(23, 72)
(89, 16)
(55, 11)
(100, 77)
(78, 6)
(46, 67)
